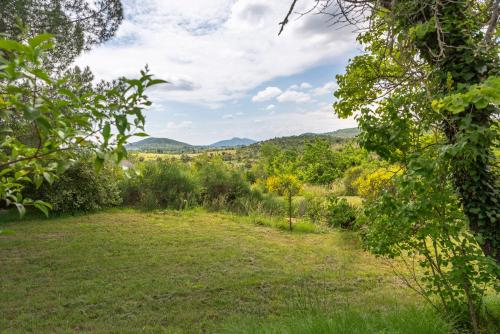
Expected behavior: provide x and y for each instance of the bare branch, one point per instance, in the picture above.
(285, 21)
(492, 23)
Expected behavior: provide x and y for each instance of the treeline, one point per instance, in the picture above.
(258, 187)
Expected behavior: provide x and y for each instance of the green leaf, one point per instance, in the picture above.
(10, 45)
(481, 103)
(155, 82)
(37, 180)
(106, 133)
(43, 206)
(21, 209)
(99, 163)
(48, 177)
(41, 75)
(39, 39)
(43, 122)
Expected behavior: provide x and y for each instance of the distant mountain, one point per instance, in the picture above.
(160, 144)
(234, 142)
(344, 133)
(166, 145)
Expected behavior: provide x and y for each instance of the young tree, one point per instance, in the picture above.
(61, 122)
(288, 185)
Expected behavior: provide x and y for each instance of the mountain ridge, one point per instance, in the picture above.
(167, 145)
(233, 142)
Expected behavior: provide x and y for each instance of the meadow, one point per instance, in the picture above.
(124, 271)
(389, 227)
(259, 239)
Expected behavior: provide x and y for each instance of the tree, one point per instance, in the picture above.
(319, 164)
(429, 65)
(62, 122)
(427, 85)
(285, 184)
(77, 25)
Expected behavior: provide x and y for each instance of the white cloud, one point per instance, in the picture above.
(267, 94)
(239, 113)
(217, 50)
(305, 85)
(325, 107)
(294, 96)
(295, 123)
(327, 88)
(180, 125)
(228, 116)
(270, 107)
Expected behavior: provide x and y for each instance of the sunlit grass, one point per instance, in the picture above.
(181, 272)
(355, 201)
(348, 321)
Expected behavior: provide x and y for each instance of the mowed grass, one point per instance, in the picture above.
(181, 272)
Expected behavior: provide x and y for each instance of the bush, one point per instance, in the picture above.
(315, 209)
(220, 185)
(259, 203)
(162, 185)
(350, 176)
(372, 182)
(80, 189)
(339, 213)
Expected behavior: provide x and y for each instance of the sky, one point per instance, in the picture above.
(230, 74)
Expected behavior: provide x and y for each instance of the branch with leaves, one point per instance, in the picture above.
(64, 122)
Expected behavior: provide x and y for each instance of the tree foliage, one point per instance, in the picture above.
(285, 184)
(77, 25)
(58, 121)
(425, 94)
(81, 188)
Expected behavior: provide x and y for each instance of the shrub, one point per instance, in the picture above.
(372, 183)
(259, 203)
(162, 185)
(339, 213)
(350, 176)
(220, 184)
(131, 190)
(81, 189)
(315, 209)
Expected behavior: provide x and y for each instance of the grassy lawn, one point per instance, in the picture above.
(189, 272)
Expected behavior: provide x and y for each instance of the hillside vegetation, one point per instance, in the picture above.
(160, 144)
(166, 145)
(233, 142)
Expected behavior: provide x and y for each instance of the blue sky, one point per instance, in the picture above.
(230, 74)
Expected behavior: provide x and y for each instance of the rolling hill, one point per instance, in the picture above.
(297, 141)
(166, 145)
(162, 144)
(344, 133)
(234, 142)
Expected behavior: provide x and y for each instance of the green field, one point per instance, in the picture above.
(180, 272)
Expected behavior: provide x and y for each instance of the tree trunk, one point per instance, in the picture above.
(290, 211)
(475, 178)
(477, 186)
